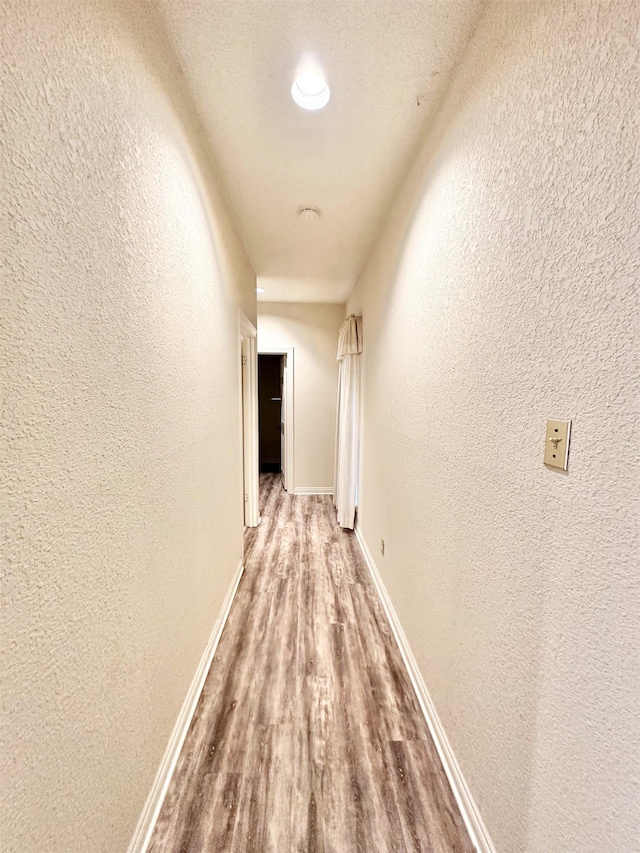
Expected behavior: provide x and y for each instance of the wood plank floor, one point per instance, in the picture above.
(308, 735)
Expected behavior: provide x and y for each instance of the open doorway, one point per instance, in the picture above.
(271, 413)
(275, 414)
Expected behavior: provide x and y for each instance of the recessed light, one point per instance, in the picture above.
(260, 290)
(311, 92)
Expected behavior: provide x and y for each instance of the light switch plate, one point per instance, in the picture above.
(556, 444)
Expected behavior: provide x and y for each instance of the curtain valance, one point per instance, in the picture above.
(350, 337)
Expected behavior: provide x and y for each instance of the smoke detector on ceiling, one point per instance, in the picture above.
(309, 213)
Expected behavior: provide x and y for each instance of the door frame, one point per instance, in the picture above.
(289, 443)
(248, 335)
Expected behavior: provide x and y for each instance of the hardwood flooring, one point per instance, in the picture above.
(308, 736)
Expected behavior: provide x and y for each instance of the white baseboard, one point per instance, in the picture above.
(468, 809)
(142, 834)
(313, 490)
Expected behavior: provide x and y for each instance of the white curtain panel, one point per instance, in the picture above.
(348, 421)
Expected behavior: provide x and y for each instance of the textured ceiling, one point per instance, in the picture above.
(386, 63)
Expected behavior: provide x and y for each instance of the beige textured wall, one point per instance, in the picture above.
(122, 493)
(312, 330)
(501, 292)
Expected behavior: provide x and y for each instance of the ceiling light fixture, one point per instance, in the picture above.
(311, 92)
(260, 290)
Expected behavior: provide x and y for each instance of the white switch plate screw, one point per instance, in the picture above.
(382, 547)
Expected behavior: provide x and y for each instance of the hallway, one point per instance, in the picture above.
(308, 735)
(426, 214)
